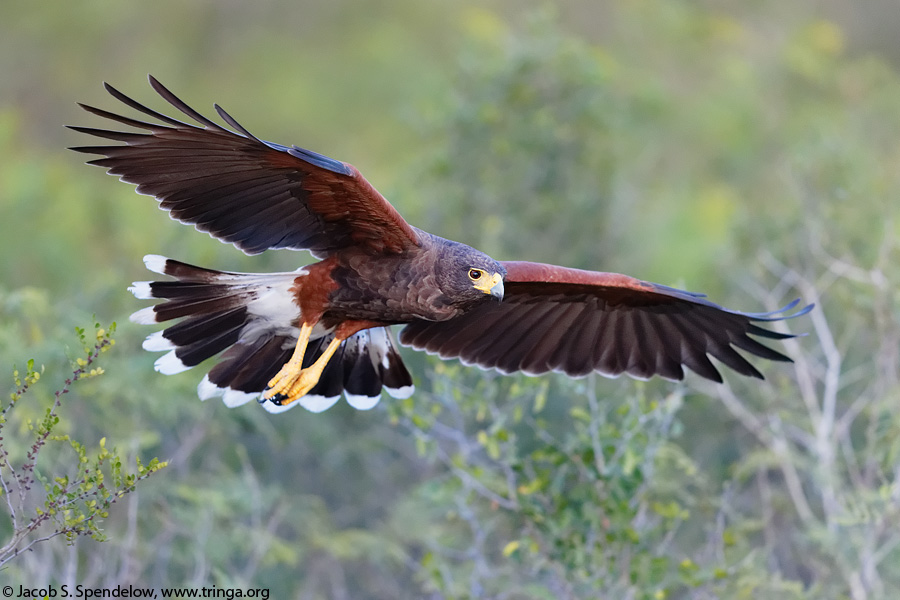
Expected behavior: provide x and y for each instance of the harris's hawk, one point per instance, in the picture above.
(307, 336)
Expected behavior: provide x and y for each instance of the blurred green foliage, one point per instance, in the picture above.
(744, 153)
(68, 493)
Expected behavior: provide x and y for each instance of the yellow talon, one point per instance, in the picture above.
(292, 381)
(292, 369)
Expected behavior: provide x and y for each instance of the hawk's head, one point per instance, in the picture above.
(467, 276)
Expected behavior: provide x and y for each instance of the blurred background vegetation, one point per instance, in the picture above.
(750, 150)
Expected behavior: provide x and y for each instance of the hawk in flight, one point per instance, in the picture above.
(308, 336)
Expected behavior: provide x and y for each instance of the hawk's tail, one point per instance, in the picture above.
(253, 319)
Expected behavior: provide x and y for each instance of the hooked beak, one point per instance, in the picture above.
(497, 287)
(492, 285)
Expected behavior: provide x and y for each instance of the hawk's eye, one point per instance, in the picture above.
(475, 274)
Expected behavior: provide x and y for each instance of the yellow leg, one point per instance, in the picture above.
(292, 382)
(309, 376)
(292, 368)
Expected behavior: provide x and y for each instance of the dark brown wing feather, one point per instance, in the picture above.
(558, 319)
(254, 194)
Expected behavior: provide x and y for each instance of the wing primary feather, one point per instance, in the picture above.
(694, 346)
(721, 347)
(716, 324)
(754, 347)
(231, 121)
(778, 315)
(768, 333)
(175, 155)
(730, 357)
(700, 364)
(141, 108)
(178, 103)
(720, 336)
(170, 156)
(119, 136)
(122, 119)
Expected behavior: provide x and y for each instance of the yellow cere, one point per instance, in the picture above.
(483, 281)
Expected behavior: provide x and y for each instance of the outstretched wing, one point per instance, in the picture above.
(558, 319)
(254, 194)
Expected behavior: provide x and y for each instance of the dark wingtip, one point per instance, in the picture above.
(231, 121)
(111, 90)
(779, 314)
(156, 85)
(803, 311)
(81, 129)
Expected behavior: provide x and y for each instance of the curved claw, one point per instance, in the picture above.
(292, 383)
